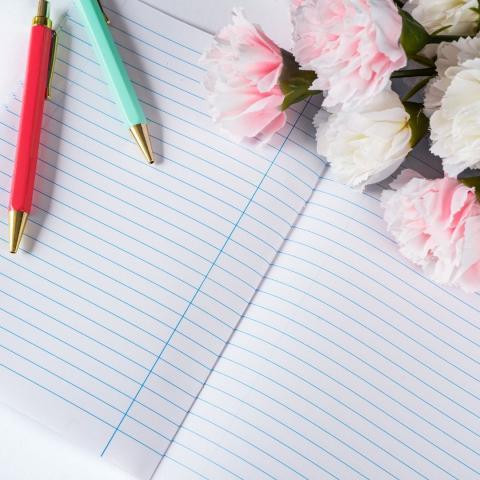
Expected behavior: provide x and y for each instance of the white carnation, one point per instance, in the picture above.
(449, 54)
(456, 125)
(436, 14)
(367, 144)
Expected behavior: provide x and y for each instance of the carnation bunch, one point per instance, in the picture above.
(350, 52)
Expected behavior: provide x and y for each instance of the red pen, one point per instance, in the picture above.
(36, 90)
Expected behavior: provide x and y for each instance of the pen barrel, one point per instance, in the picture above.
(34, 96)
(111, 61)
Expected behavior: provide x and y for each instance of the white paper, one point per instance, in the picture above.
(132, 277)
(348, 364)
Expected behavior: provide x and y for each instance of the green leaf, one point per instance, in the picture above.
(472, 182)
(477, 11)
(294, 82)
(418, 122)
(441, 29)
(297, 96)
(414, 37)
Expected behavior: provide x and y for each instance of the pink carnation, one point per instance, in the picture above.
(437, 226)
(352, 45)
(242, 81)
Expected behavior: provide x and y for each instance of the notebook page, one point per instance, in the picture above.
(349, 364)
(132, 277)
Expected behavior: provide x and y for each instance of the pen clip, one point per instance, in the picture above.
(103, 12)
(51, 64)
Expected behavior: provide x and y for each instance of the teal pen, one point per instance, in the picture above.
(97, 24)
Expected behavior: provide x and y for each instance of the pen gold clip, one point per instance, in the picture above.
(103, 11)
(51, 65)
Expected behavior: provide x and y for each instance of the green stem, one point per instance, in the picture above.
(445, 38)
(415, 72)
(423, 83)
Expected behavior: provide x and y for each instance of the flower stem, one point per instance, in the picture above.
(415, 72)
(445, 38)
(416, 89)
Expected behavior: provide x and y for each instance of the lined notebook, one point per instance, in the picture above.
(229, 313)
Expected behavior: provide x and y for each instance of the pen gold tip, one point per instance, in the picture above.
(142, 137)
(17, 222)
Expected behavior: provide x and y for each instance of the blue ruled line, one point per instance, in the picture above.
(403, 264)
(194, 296)
(188, 450)
(96, 417)
(216, 266)
(361, 378)
(155, 32)
(350, 317)
(336, 399)
(416, 324)
(163, 96)
(114, 27)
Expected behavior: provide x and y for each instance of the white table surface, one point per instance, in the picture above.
(27, 450)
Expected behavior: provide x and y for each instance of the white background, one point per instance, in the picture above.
(28, 451)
